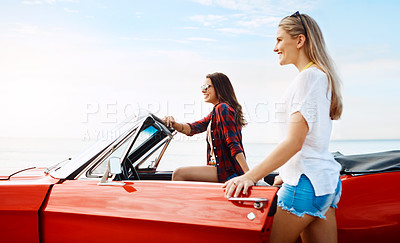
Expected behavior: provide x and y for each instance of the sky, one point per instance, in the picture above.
(75, 68)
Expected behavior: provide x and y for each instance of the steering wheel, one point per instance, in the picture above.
(128, 171)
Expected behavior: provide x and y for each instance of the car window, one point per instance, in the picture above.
(148, 161)
(147, 148)
(140, 152)
(119, 152)
(143, 137)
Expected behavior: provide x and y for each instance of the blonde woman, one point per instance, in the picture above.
(311, 185)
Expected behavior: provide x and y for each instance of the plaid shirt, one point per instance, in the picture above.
(226, 136)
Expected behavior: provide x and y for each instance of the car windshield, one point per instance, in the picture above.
(143, 138)
(119, 132)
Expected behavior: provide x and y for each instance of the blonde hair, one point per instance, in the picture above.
(316, 51)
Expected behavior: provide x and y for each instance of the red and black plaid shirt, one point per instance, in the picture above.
(226, 137)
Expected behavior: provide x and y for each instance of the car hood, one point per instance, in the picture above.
(21, 173)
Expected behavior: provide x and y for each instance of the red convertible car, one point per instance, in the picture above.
(112, 192)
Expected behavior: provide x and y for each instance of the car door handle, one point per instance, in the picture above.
(259, 202)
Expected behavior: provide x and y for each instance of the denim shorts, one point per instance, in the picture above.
(301, 199)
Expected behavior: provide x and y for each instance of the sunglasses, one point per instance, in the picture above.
(297, 14)
(205, 87)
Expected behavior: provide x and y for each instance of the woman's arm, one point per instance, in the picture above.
(180, 127)
(242, 162)
(184, 128)
(293, 143)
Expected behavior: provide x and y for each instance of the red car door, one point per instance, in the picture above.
(153, 211)
(22, 193)
(369, 209)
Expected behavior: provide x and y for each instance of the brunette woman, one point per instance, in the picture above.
(225, 154)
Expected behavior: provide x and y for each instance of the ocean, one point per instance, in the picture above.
(44, 152)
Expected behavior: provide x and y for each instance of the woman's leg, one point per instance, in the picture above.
(322, 230)
(196, 173)
(286, 227)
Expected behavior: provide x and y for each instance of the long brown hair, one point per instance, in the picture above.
(316, 51)
(225, 93)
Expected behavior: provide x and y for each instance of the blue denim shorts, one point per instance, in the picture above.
(301, 199)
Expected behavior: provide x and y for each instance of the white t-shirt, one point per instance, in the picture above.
(309, 95)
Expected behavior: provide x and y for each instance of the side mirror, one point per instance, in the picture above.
(115, 165)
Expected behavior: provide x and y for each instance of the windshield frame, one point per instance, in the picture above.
(77, 166)
(73, 167)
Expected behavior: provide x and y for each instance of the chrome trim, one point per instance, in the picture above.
(259, 202)
(162, 153)
(92, 153)
(248, 199)
(135, 133)
(78, 167)
(132, 132)
(47, 170)
(111, 183)
(149, 153)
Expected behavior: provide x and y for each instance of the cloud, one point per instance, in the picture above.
(128, 38)
(249, 17)
(32, 2)
(208, 20)
(201, 39)
(37, 2)
(273, 7)
(134, 38)
(23, 30)
(238, 24)
(138, 15)
(54, 1)
(258, 21)
(235, 31)
(204, 2)
(26, 29)
(71, 10)
(189, 28)
(242, 31)
(244, 5)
